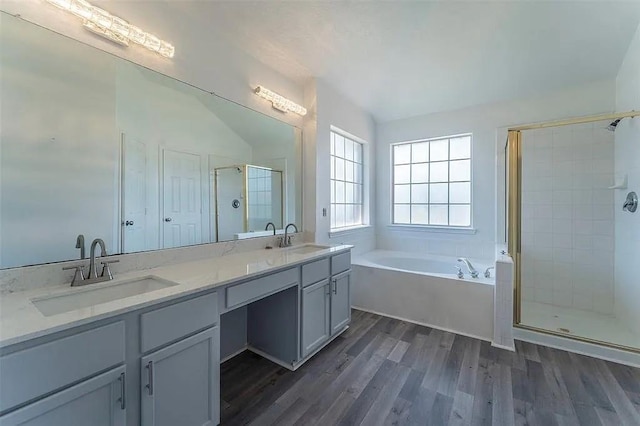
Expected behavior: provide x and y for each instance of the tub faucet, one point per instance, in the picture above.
(266, 228)
(286, 240)
(487, 272)
(472, 270)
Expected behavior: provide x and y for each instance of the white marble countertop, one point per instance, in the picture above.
(20, 320)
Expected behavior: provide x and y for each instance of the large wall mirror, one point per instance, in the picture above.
(95, 145)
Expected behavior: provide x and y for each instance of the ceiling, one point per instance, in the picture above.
(402, 59)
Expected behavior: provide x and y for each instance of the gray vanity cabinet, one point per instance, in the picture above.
(316, 312)
(340, 301)
(99, 401)
(180, 384)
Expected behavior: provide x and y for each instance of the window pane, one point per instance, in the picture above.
(339, 169)
(339, 146)
(419, 193)
(439, 150)
(333, 192)
(333, 167)
(460, 170)
(438, 215)
(401, 194)
(357, 214)
(420, 173)
(348, 175)
(460, 192)
(402, 154)
(402, 213)
(349, 219)
(420, 214)
(349, 196)
(420, 152)
(402, 174)
(438, 193)
(339, 192)
(357, 173)
(333, 143)
(460, 147)
(439, 172)
(460, 215)
(340, 211)
(348, 149)
(357, 152)
(333, 216)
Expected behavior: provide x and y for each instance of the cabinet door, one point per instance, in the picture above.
(181, 383)
(99, 401)
(340, 302)
(315, 316)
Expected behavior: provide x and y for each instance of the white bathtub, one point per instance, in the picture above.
(424, 290)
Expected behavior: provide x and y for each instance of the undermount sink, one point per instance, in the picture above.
(307, 249)
(101, 293)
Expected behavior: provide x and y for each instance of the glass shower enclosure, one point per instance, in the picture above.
(570, 231)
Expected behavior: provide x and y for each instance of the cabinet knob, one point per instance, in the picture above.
(167, 219)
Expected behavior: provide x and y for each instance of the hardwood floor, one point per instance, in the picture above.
(383, 371)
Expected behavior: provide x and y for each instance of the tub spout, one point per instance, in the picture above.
(472, 270)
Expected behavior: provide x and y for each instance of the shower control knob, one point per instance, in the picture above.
(631, 203)
(167, 219)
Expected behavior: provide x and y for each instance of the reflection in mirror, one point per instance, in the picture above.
(95, 145)
(248, 198)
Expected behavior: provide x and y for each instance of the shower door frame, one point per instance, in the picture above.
(514, 215)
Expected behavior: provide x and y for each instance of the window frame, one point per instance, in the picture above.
(364, 197)
(432, 227)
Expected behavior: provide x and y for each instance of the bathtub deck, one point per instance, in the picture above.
(385, 371)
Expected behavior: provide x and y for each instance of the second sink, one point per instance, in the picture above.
(102, 293)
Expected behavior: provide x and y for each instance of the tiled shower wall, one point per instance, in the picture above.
(568, 216)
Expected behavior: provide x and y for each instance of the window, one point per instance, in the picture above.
(432, 182)
(347, 182)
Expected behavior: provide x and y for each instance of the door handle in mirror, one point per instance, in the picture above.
(167, 219)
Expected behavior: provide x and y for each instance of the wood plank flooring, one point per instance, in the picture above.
(383, 371)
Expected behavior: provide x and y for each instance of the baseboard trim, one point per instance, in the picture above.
(270, 358)
(505, 347)
(437, 327)
(234, 354)
(583, 348)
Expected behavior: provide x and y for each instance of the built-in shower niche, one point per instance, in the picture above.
(248, 198)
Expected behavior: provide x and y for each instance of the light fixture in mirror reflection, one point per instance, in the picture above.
(95, 145)
(280, 102)
(116, 29)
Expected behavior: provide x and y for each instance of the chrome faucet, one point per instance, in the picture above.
(472, 270)
(266, 228)
(106, 274)
(286, 240)
(487, 272)
(80, 245)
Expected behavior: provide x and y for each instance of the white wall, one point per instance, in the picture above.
(627, 162)
(485, 123)
(330, 108)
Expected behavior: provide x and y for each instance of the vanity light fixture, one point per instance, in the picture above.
(116, 29)
(280, 102)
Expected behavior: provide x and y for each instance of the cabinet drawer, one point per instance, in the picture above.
(315, 271)
(170, 323)
(30, 373)
(340, 263)
(244, 293)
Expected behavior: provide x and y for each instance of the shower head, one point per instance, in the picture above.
(612, 126)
